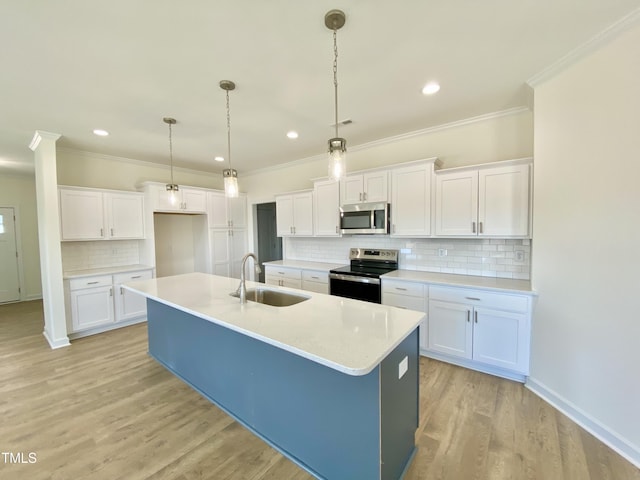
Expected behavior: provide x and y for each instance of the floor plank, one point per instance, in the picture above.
(103, 409)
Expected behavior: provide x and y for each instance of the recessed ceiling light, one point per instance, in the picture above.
(430, 88)
(100, 133)
(292, 134)
(219, 159)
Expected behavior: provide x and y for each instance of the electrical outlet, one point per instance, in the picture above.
(519, 255)
(442, 252)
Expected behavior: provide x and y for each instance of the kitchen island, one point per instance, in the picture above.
(330, 382)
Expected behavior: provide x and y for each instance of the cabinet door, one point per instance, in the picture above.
(503, 201)
(165, 201)
(411, 201)
(351, 189)
(217, 210)
(238, 211)
(501, 339)
(326, 208)
(457, 203)
(194, 200)
(284, 216)
(303, 214)
(129, 305)
(125, 213)
(220, 251)
(450, 328)
(91, 307)
(411, 303)
(375, 186)
(81, 215)
(237, 251)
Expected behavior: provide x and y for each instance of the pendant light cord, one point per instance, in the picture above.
(335, 74)
(228, 131)
(171, 153)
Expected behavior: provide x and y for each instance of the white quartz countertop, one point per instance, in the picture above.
(307, 265)
(89, 272)
(449, 279)
(347, 335)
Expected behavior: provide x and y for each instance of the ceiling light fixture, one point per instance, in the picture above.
(100, 132)
(335, 20)
(430, 88)
(229, 175)
(219, 159)
(172, 188)
(292, 135)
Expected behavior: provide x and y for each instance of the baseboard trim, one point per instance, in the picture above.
(34, 296)
(470, 364)
(63, 342)
(603, 433)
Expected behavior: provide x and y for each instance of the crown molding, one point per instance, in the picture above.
(586, 48)
(42, 135)
(396, 138)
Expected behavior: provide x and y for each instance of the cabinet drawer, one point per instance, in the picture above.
(282, 272)
(501, 301)
(314, 276)
(313, 286)
(132, 276)
(404, 301)
(403, 288)
(90, 282)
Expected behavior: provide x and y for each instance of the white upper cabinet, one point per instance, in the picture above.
(91, 214)
(226, 212)
(365, 188)
(294, 214)
(411, 200)
(186, 199)
(484, 201)
(125, 215)
(326, 208)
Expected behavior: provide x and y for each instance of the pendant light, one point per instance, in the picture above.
(172, 188)
(335, 20)
(229, 175)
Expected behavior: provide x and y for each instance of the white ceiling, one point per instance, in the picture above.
(69, 67)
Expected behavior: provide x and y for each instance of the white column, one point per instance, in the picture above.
(55, 324)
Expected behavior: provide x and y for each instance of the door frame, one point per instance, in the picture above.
(16, 214)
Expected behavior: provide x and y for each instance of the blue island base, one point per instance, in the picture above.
(334, 425)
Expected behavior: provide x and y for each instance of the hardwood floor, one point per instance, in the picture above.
(103, 409)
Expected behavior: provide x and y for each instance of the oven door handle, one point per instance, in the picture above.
(354, 278)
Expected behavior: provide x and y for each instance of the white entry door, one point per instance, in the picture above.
(9, 281)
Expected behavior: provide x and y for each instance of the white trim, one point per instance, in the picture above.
(41, 134)
(602, 432)
(590, 46)
(64, 342)
(31, 297)
(396, 138)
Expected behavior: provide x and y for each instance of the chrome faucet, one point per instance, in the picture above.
(242, 288)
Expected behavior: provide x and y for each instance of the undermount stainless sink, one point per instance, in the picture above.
(275, 298)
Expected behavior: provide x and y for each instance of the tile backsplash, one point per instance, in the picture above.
(99, 254)
(503, 258)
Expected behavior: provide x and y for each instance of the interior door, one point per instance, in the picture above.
(9, 280)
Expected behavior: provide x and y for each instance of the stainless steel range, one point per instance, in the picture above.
(361, 278)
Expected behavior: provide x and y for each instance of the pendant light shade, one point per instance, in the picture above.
(172, 188)
(229, 175)
(335, 20)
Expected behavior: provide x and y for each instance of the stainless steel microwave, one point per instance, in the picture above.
(364, 218)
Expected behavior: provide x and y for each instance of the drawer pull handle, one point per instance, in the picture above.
(136, 276)
(472, 298)
(401, 289)
(92, 283)
(315, 278)
(468, 316)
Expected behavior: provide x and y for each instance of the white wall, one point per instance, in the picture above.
(484, 139)
(586, 253)
(20, 191)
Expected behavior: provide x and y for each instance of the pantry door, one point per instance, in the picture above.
(9, 280)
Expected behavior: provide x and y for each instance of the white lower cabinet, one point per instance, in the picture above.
(315, 281)
(283, 276)
(409, 295)
(99, 303)
(485, 328)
